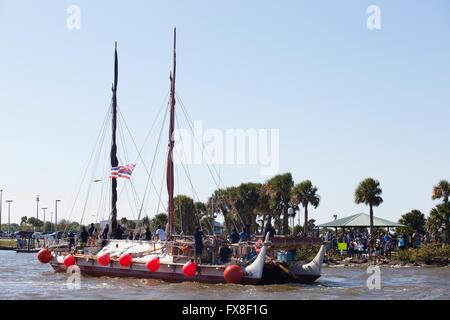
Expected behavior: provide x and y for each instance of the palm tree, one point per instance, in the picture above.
(305, 193)
(368, 192)
(439, 220)
(23, 220)
(441, 191)
(185, 219)
(278, 189)
(146, 221)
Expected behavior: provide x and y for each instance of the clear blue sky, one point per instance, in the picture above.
(349, 102)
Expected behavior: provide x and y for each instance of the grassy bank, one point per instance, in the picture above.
(430, 254)
(8, 243)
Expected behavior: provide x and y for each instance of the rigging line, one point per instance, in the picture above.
(122, 141)
(134, 193)
(152, 167)
(102, 187)
(137, 202)
(194, 192)
(94, 168)
(103, 193)
(202, 148)
(95, 157)
(162, 184)
(88, 163)
(181, 162)
(118, 198)
(161, 108)
(129, 200)
(140, 155)
(190, 122)
(135, 198)
(179, 206)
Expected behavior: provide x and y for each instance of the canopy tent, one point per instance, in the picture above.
(360, 220)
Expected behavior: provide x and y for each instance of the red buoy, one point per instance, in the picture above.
(153, 265)
(233, 274)
(190, 268)
(44, 255)
(126, 260)
(104, 259)
(69, 260)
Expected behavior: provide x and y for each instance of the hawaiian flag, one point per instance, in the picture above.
(122, 171)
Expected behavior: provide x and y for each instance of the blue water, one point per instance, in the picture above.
(23, 277)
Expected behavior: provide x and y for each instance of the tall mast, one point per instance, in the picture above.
(170, 175)
(114, 160)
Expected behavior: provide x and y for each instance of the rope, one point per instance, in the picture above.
(102, 128)
(190, 123)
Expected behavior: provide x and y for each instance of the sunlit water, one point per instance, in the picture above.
(23, 277)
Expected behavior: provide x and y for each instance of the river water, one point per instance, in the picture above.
(23, 277)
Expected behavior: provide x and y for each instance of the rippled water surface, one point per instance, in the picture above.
(23, 277)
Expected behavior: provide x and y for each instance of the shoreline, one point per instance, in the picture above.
(385, 263)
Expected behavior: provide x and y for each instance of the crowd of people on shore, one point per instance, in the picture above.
(378, 246)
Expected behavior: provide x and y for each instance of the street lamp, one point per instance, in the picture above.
(37, 207)
(1, 205)
(9, 215)
(43, 227)
(291, 214)
(56, 214)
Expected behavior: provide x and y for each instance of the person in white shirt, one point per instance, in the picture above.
(160, 233)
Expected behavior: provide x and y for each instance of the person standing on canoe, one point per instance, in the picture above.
(234, 236)
(161, 234)
(269, 229)
(105, 236)
(84, 235)
(148, 234)
(198, 236)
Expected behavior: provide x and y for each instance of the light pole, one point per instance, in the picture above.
(37, 207)
(9, 215)
(56, 214)
(291, 215)
(43, 227)
(1, 205)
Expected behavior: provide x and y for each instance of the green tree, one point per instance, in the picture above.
(48, 226)
(438, 222)
(159, 219)
(304, 194)
(146, 221)
(223, 201)
(278, 189)
(247, 202)
(13, 227)
(185, 218)
(63, 225)
(413, 220)
(369, 193)
(74, 226)
(263, 208)
(23, 220)
(36, 223)
(441, 191)
(124, 222)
